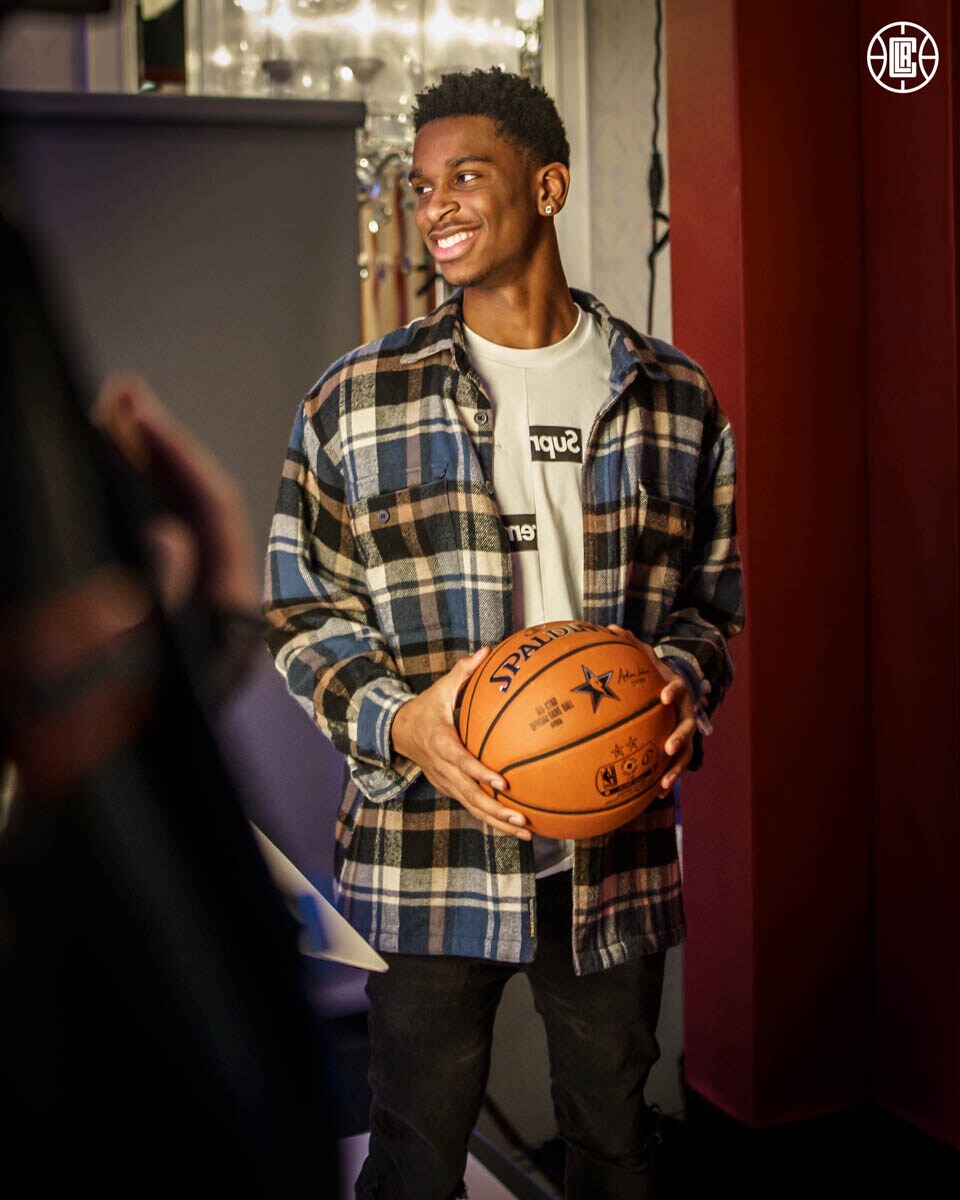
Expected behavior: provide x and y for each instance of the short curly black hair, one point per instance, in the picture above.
(522, 112)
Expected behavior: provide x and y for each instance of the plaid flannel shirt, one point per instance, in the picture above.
(388, 561)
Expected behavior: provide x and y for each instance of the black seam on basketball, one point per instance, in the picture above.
(472, 686)
(524, 762)
(463, 724)
(580, 812)
(613, 641)
(565, 813)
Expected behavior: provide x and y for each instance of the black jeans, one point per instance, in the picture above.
(431, 1022)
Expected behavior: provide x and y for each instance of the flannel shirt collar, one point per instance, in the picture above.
(442, 332)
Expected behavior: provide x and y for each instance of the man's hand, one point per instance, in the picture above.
(679, 745)
(423, 731)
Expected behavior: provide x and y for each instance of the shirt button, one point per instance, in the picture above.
(482, 418)
(383, 516)
(489, 486)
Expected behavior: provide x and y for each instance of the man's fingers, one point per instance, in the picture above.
(675, 690)
(682, 737)
(455, 772)
(679, 744)
(463, 668)
(460, 672)
(487, 807)
(496, 815)
(489, 780)
(115, 411)
(424, 731)
(466, 762)
(475, 769)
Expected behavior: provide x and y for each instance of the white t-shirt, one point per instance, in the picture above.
(544, 402)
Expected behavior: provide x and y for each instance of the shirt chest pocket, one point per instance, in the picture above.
(661, 553)
(397, 530)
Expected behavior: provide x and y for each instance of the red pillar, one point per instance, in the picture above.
(814, 222)
(911, 219)
(763, 111)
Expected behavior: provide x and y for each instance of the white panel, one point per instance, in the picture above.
(565, 78)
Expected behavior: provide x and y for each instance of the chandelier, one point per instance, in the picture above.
(380, 52)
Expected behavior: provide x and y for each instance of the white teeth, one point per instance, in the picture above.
(447, 242)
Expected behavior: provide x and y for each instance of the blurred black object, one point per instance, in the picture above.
(155, 1029)
(162, 47)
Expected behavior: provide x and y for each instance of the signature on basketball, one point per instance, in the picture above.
(631, 675)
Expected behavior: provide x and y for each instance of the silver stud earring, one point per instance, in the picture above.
(548, 209)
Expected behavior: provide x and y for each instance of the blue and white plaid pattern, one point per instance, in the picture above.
(388, 561)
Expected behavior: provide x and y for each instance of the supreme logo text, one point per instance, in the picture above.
(521, 530)
(555, 443)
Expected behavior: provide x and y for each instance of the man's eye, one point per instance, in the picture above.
(422, 189)
(467, 176)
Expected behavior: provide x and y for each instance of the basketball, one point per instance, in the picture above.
(569, 714)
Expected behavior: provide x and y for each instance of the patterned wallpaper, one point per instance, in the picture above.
(620, 47)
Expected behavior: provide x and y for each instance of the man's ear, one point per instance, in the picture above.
(553, 185)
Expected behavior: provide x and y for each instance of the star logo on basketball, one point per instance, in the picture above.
(597, 687)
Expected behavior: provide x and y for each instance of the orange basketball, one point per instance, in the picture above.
(569, 714)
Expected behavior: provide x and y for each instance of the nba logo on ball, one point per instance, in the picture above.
(569, 714)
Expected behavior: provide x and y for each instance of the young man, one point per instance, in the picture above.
(392, 572)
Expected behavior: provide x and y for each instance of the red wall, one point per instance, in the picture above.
(787, 197)
(706, 258)
(910, 221)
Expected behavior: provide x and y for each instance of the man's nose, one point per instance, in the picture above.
(441, 203)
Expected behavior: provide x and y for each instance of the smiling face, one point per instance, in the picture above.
(477, 203)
